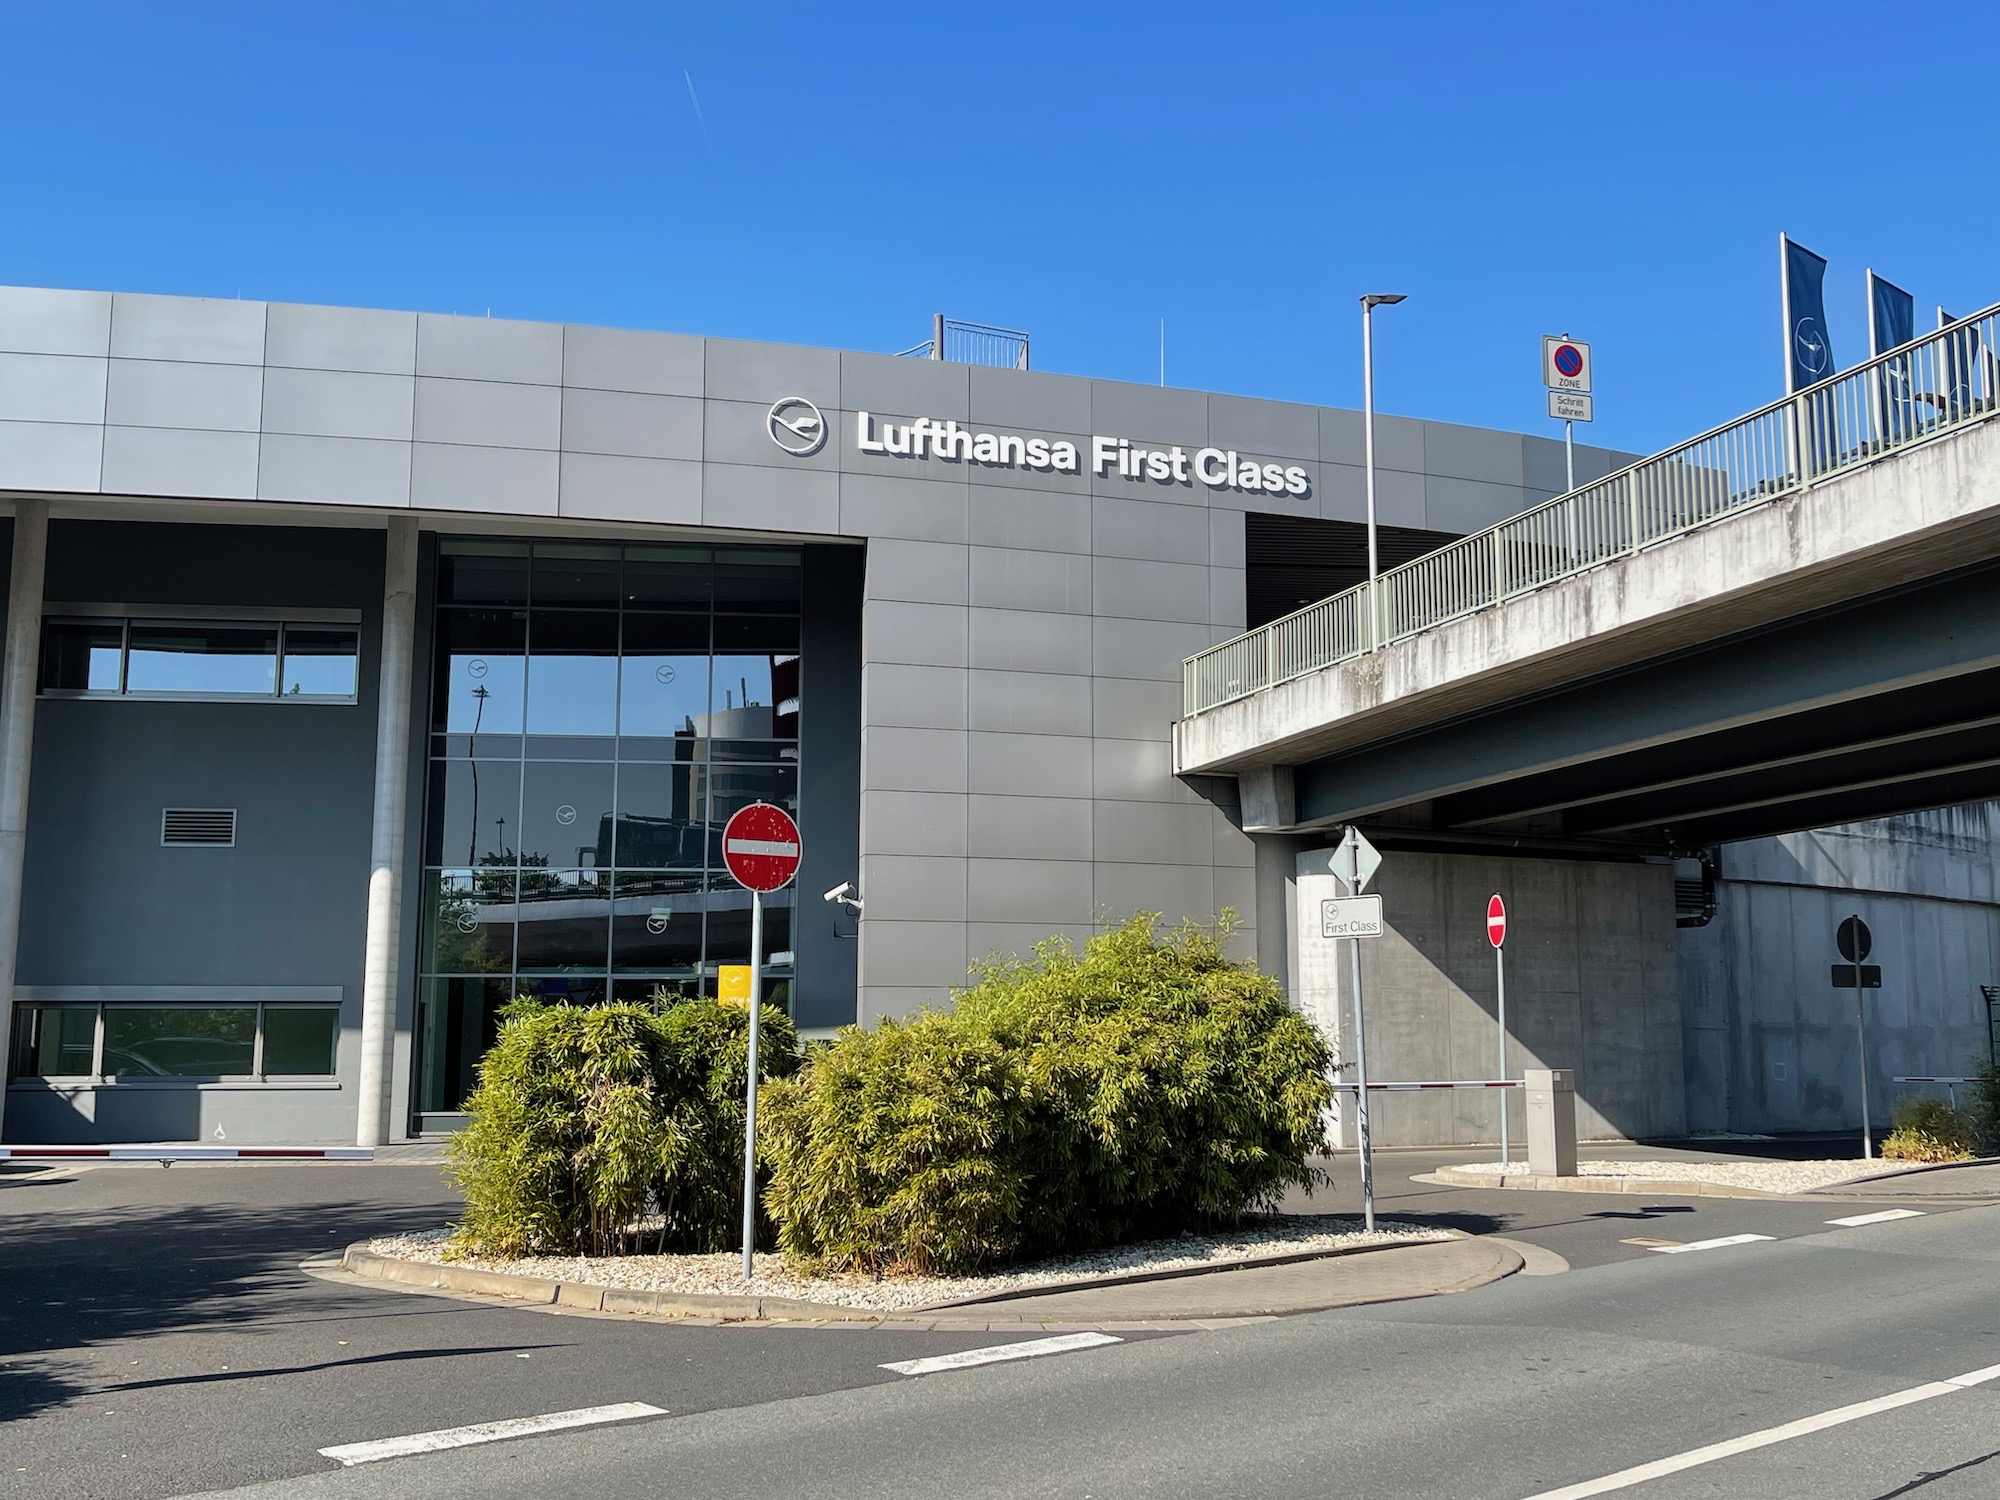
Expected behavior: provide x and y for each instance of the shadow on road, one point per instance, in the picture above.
(121, 1254)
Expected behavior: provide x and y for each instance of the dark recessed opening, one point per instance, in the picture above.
(1294, 561)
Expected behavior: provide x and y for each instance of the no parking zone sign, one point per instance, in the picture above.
(1565, 364)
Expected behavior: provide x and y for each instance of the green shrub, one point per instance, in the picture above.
(1145, 1086)
(587, 1120)
(1931, 1130)
(1984, 1105)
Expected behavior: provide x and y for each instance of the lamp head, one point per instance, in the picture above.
(1383, 299)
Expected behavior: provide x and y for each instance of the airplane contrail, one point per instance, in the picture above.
(700, 118)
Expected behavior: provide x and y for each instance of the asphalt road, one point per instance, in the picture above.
(157, 1339)
(1521, 1389)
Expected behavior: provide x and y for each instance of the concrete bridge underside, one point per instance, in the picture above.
(1825, 658)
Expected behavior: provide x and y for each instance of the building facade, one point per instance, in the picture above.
(381, 666)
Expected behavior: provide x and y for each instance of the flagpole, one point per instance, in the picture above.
(1785, 312)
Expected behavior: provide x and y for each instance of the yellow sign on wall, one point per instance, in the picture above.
(733, 984)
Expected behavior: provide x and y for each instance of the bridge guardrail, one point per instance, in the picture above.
(1929, 386)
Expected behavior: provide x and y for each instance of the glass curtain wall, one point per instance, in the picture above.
(598, 712)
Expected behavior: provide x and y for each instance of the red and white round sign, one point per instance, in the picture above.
(760, 845)
(1496, 921)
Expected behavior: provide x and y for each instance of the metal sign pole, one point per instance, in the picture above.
(1569, 455)
(1361, 1094)
(750, 1087)
(1500, 978)
(1861, 1031)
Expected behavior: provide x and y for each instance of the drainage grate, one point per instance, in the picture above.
(198, 826)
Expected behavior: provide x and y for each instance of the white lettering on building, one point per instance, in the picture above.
(1218, 468)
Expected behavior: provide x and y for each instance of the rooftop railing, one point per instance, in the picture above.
(1927, 387)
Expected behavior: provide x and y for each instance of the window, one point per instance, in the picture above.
(125, 1042)
(214, 660)
(598, 711)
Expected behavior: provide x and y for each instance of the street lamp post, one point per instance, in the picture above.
(1369, 303)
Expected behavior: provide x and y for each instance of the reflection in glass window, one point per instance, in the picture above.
(565, 921)
(469, 919)
(663, 675)
(216, 1041)
(300, 1040)
(566, 812)
(572, 672)
(656, 922)
(659, 817)
(320, 663)
(83, 656)
(473, 817)
(481, 672)
(598, 710)
(205, 660)
(55, 1041)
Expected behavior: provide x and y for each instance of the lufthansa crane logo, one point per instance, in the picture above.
(1812, 347)
(796, 426)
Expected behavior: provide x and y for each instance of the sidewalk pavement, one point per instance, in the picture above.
(1977, 1180)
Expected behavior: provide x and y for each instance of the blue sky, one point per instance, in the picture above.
(1081, 171)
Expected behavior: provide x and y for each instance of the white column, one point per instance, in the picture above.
(385, 874)
(17, 739)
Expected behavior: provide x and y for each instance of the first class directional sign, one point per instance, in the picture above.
(760, 845)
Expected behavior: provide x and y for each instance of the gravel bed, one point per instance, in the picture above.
(1769, 1176)
(723, 1274)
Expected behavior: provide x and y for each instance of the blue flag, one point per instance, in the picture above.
(1892, 323)
(1808, 349)
(1892, 316)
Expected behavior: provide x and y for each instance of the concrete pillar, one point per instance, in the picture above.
(18, 664)
(1273, 883)
(1322, 986)
(385, 874)
(1551, 1122)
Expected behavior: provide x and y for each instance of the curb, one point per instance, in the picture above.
(1669, 1186)
(539, 1292)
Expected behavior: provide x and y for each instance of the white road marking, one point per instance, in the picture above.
(1882, 1218)
(995, 1353)
(1751, 1441)
(350, 1454)
(1727, 1239)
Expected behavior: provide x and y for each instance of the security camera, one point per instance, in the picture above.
(838, 891)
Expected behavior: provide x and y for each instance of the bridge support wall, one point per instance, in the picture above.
(1591, 985)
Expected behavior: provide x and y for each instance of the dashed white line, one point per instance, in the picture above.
(994, 1354)
(1751, 1441)
(1882, 1218)
(1728, 1239)
(350, 1454)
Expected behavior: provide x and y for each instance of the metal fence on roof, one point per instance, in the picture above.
(1927, 387)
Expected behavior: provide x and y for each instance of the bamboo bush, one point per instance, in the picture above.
(1146, 1085)
(601, 1130)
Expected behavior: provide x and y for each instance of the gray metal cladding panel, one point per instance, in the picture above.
(43, 320)
(52, 387)
(354, 339)
(619, 359)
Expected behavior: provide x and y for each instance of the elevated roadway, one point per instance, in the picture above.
(1719, 643)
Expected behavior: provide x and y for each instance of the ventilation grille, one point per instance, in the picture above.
(208, 826)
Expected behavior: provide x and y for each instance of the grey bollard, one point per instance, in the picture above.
(1551, 1122)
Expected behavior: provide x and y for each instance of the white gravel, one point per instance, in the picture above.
(1769, 1176)
(722, 1274)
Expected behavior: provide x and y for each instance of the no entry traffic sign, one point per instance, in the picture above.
(1496, 921)
(760, 845)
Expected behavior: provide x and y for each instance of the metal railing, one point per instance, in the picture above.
(1929, 386)
(972, 344)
